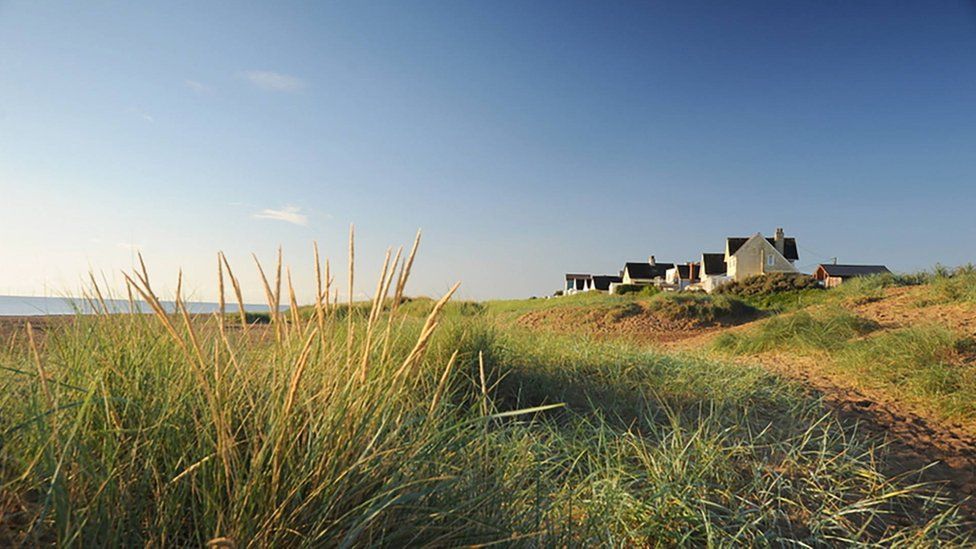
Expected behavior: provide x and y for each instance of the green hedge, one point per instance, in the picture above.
(640, 289)
(772, 283)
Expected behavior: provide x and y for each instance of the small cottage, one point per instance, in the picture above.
(645, 273)
(713, 271)
(576, 283)
(602, 282)
(682, 276)
(831, 275)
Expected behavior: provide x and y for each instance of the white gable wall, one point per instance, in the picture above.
(757, 256)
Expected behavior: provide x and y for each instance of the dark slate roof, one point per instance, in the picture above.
(846, 271)
(646, 270)
(789, 246)
(688, 272)
(714, 264)
(602, 282)
(571, 276)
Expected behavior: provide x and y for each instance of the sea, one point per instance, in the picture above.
(11, 305)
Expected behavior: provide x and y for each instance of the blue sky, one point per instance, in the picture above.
(526, 139)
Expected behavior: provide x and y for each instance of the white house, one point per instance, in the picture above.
(645, 273)
(754, 255)
(682, 276)
(714, 271)
(576, 283)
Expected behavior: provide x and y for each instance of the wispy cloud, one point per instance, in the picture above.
(199, 87)
(274, 81)
(288, 214)
(142, 114)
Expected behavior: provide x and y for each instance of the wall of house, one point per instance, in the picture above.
(709, 283)
(753, 258)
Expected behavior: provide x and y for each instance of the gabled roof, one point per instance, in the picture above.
(845, 271)
(789, 246)
(685, 271)
(713, 264)
(602, 282)
(646, 270)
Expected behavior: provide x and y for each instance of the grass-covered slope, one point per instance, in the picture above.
(929, 360)
(421, 424)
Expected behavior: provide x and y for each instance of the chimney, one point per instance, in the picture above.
(780, 241)
(651, 260)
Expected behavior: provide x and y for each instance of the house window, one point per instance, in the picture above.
(770, 260)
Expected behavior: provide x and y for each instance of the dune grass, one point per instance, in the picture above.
(418, 423)
(513, 308)
(928, 364)
(957, 285)
(800, 331)
(786, 301)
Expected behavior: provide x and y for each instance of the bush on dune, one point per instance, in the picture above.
(700, 308)
(641, 290)
(769, 284)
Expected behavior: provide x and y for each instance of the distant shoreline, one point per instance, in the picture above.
(33, 306)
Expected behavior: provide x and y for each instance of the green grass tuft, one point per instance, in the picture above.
(928, 364)
(798, 331)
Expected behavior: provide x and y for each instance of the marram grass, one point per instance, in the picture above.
(432, 425)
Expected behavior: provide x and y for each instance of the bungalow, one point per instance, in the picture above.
(713, 271)
(831, 275)
(682, 276)
(578, 283)
(602, 282)
(645, 273)
(754, 255)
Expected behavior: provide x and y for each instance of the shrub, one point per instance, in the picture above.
(704, 309)
(787, 301)
(952, 285)
(639, 289)
(769, 284)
